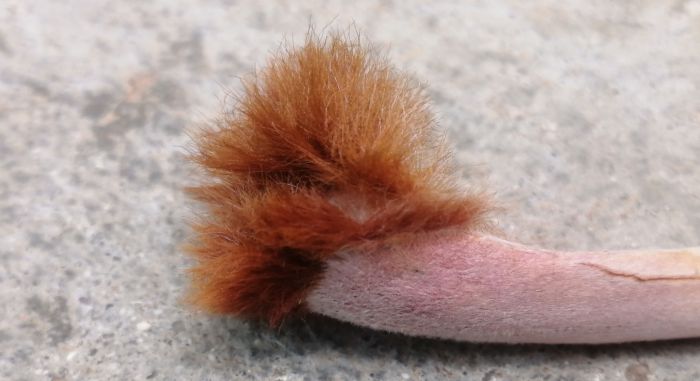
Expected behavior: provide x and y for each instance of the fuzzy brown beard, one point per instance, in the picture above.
(327, 148)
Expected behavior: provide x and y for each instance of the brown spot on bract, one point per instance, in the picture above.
(328, 147)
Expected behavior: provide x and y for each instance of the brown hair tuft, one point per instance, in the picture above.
(328, 148)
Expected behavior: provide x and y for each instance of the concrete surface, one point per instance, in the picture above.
(582, 116)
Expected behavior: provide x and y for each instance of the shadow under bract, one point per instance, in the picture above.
(314, 335)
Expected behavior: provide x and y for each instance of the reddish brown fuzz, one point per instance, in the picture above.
(328, 147)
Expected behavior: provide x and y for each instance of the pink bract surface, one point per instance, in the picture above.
(484, 289)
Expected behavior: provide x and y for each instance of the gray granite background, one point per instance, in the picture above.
(583, 117)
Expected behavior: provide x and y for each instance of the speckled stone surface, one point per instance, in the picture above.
(583, 117)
